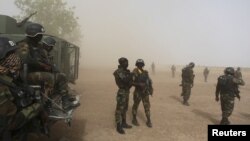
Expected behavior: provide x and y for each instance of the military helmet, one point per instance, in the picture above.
(229, 70)
(122, 60)
(139, 61)
(6, 46)
(34, 29)
(191, 64)
(49, 41)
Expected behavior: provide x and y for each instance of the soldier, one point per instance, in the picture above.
(205, 73)
(238, 74)
(153, 68)
(14, 112)
(227, 88)
(187, 82)
(61, 83)
(31, 53)
(123, 79)
(143, 88)
(173, 68)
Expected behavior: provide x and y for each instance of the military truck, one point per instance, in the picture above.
(65, 54)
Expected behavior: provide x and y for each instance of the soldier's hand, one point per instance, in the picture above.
(238, 97)
(217, 98)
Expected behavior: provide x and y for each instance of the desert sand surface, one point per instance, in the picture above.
(94, 119)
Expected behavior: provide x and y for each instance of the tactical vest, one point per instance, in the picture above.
(123, 78)
(226, 84)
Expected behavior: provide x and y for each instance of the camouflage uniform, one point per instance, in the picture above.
(61, 87)
(12, 117)
(143, 88)
(227, 88)
(123, 80)
(33, 55)
(173, 70)
(205, 73)
(187, 83)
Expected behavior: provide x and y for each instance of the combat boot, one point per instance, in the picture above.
(68, 102)
(125, 125)
(119, 128)
(149, 123)
(134, 121)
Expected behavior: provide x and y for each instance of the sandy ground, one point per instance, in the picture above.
(94, 119)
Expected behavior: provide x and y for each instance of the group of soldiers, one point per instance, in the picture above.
(227, 88)
(139, 78)
(29, 63)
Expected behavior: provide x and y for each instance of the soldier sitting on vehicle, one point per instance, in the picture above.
(16, 108)
(61, 82)
(39, 69)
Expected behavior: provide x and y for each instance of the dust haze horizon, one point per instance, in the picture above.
(166, 32)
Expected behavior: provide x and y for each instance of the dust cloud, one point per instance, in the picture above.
(208, 33)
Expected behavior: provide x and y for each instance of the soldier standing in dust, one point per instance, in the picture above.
(143, 88)
(238, 74)
(227, 88)
(123, 79)
(205, 73)
(173, 68)
(187, 82)
(153, 68)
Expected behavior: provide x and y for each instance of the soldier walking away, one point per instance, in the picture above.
(205, 73)
(238, 73)
(227, 89)
(123, 79)
(187, 82)
(173, 69)
(143, 88)
(153, 68)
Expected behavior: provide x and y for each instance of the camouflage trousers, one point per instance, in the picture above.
(227, 105)
(51, 81)
(61, 83)
(12, 117)
(173, 74)
(45, 79)
(186, 91)
(205, 78)
(138, 97)
(122, 99)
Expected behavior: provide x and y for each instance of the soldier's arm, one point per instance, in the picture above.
(239, 81)
(217, 91)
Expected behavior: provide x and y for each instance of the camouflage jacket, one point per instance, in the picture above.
(142, 81)
(228, 84)
(187, 75)
(123, 78)
(34, 55)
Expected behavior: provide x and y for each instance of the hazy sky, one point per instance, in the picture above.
(207, 32)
